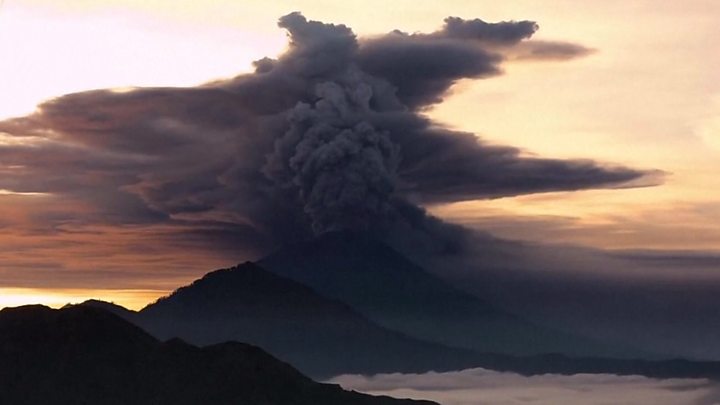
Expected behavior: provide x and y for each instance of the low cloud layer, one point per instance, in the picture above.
(484, 387)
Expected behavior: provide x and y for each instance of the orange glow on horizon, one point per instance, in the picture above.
(56, 298)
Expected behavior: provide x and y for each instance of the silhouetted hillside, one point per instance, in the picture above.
(86, 355)
(383, 285)
(110, 307)
(319, 336)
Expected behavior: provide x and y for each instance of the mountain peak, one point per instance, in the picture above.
(245, 286)
(107, 306)
(321, 336)
(398, 294)
(244, 275)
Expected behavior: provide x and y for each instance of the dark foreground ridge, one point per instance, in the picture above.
(86, 355)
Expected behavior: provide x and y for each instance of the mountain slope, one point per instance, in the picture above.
(85, 355)
(387, 288)
(321, 337)
(248, 304)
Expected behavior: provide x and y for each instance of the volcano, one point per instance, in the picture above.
(392, 330)
(396, 293)
(319, 336)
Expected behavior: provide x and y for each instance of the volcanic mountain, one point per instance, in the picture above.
(321, 337)
(86, 355)
(394, 292)
(325, 337)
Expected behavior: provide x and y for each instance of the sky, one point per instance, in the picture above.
(641, 93)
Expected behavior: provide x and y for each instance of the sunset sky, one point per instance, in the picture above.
(645, 94)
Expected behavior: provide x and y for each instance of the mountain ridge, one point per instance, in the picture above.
(322, 337)
(82, 354)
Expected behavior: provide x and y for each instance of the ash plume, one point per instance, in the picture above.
(343, 167)
(330, 135)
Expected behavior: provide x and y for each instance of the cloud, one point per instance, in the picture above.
(344, 167)
(422, 67)
(506, 32)
(327, 135)
(478, 386)
(653, 227)
(548, 50)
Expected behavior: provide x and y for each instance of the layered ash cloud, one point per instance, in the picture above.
(327, 136)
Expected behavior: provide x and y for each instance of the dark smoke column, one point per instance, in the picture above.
(344, 169)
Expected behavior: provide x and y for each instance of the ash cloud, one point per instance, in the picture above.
(506, 32)
(423, 67)
(329, 135)
(344, 168)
